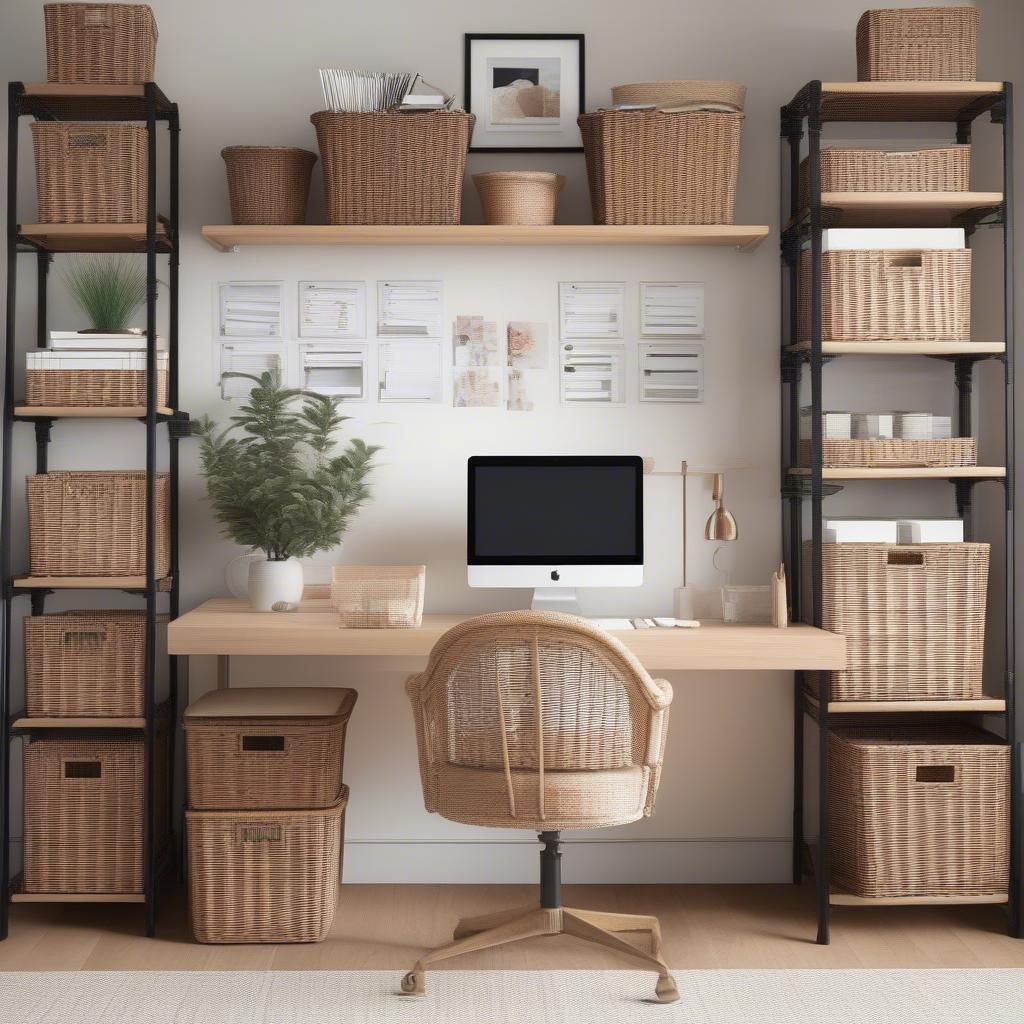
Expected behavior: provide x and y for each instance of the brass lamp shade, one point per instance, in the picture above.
(721, 524)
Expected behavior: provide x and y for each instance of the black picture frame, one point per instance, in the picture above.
(467, 92)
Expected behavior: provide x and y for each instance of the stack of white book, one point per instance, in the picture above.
(878, 426)
(73, 350)
(856, 530)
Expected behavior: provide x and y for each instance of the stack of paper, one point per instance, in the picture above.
(363, 91)
(872, 426)
(592, 309)
(409, 309)
(835, 426)
(424, 96)
(921, 426)
(94, 359)
(892, 238)
(931, 531)
(67, 341)
(855, 530)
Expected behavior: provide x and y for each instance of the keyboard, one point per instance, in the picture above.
(612, 624)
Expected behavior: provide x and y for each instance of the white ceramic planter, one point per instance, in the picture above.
(274, 583)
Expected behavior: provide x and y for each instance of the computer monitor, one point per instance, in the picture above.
(555, 523)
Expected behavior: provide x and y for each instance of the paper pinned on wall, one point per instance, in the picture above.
(410, 309)
(477, 387)
(527, 344)
(332, 309)
(238, 364)
(672, 309)
(250, 310)
(591, 309)
(474, 342)
(409, 371)
(521, 388)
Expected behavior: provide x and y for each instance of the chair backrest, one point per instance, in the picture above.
(524, 699)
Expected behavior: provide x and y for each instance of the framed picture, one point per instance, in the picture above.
(526, 92)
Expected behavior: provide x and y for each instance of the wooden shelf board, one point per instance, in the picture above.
(226, 237)
(78, 723)
(905, 101)
(76, 897)
(89, 101)
(904, 348)
(905, 209)
(905, 472)
(989, 705)
(86, 412)
(87, 583)
(92, 237)
(837, 898)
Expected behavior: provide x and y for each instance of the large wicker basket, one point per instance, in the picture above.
(90, 388)
(920, 811)
(889, 295)
(947, 169)
(651, 167)
(103, 43)
(894, 452)
(264, 876)
(519, 197)
(94, 523)
(268, 748)
(918, 43)
(268, 184)
(379, 596)
(89, 172)
(88, 664)
(392, 168)
(913, 616)
(84, 800)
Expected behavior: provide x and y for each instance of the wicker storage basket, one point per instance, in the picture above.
(88, 664)
(88, 172)
(913, 616)
(264, 876)
(651, 167)
(379, 596)
(519, 197)
(103, 43)
(920, 811)
(681, 94)
(84, 810)
(94, 523)
(93, 388)
(918, 43)
(874, 170)
(382, 168)
(952, 451)
(268, 748)
(889, 295)
(268, 184)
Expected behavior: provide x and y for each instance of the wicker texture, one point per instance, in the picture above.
(651, 167)
(264, 876)
(919, 43)
(519, 197)
(91, 388)
(680, 93)
(537, 720)
(889, 295)
(379, 596)
(953, 451)
(266, 763)
(101, 43)
(920, 811)
(88, 664)
(84, 810)
(268, 184)
(382, 168)
(88, 172)
(947, 169)
(94, 523)
(913, 616)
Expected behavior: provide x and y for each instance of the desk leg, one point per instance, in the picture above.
(223, 671)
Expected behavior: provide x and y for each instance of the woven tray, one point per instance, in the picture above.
(268, 184)
(379, 596)
(108, 43)
(920, 811)
(923, 43)
(264, 876)
(953, 451)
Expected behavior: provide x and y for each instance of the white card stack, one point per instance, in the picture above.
(855, 530)
(931, 531)
(45, 359)
(835, 426)
(921, 426)
(872, 426)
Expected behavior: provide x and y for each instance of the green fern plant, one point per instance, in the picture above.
(110, 290)
(274, 478)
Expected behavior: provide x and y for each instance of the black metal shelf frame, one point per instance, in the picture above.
(805, 113)
(153, 107)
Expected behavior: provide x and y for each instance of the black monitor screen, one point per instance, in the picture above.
(575, 510)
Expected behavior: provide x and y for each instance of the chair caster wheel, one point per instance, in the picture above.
(666, 989)
(413, 984)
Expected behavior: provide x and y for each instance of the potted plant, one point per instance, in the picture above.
(277, 484)
(110, 290)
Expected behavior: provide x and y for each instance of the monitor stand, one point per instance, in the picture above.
(555, 599)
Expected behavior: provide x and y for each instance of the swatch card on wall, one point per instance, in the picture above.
(476, 363)
(527, 353)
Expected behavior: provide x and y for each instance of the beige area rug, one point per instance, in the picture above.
(515, 997)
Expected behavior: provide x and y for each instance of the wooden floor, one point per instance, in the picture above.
(386, 926)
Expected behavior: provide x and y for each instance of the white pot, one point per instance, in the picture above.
(275, 584)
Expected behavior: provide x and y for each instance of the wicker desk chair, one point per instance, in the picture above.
(591, 759)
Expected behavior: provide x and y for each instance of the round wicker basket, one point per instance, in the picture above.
(669, 95)
(268, 184)
(519, 197)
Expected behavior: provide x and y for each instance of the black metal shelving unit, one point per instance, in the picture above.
(804, 118)
(159, 235)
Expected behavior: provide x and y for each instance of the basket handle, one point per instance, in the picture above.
(84, 638)
(262, 744)
(260, 833)
(935, 773)
(98, 18)
(904, 557)
(907, 261)
(82, 769)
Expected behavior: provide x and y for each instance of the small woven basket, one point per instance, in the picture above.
(87, 664)
(889, 295)
(873, 170)
(94, 523)
(264, 876)
(651, 167)
(519, 197)
(382, 168)
(100, 43)
(918, 43)
(93, 389)
(268, 184)
(266, 761)
(681, 94)
(88, 172)
(951, 451)
(379, 596)
(919, 811)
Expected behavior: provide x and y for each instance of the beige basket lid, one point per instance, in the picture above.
(335, 810)
(274, 702)
(681, 93)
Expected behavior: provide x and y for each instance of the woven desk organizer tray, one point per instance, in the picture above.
(379, 596)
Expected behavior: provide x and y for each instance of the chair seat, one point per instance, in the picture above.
(585, 799)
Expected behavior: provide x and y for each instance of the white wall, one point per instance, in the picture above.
(245, 72)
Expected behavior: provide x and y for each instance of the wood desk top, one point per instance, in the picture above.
(227, 626)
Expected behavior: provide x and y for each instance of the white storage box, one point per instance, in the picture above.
(931, 531)
(835, 426)
(872, 426)
(863, 531)
(892, 238)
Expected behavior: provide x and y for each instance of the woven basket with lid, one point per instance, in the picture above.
(268, 184)
(519, 197)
